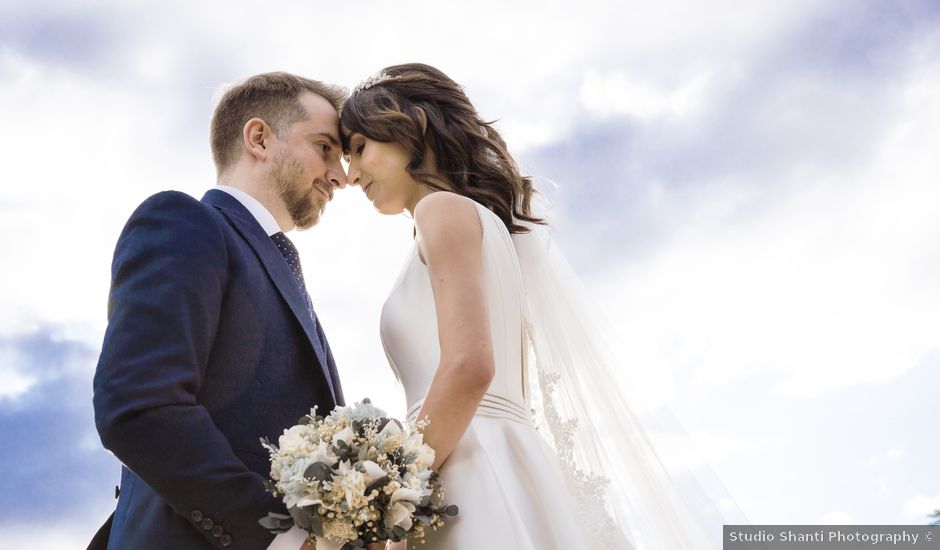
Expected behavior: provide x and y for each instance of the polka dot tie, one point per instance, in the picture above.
(289, 251)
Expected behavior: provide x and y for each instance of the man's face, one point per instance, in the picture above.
(306, 165)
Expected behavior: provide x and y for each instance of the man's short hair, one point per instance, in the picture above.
(272, 97)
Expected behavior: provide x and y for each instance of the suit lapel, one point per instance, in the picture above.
(278, 270)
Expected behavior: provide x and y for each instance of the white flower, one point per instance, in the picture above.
(373, 471)
(279, 463)
(351, 484)
(425, 457)
(412, 442)
(419, 481)
(391, 428)
(390, 438)
(308, 501)
(294, 440)
(293, 484)
(423, 454)
(365, 411)
(344, 468)
(345, 435)
(399, 513)
(406, 494)
(340, 415)
(324, 453)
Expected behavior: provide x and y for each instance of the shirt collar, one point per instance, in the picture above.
(261, 214)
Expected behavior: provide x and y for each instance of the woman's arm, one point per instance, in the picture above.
(450, 238)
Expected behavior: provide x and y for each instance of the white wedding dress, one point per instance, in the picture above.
(510, 486)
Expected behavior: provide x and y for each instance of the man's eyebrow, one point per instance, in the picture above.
(329, 137)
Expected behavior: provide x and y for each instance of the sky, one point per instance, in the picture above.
(748, 189)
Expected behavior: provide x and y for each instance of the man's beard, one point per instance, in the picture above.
(301, 201)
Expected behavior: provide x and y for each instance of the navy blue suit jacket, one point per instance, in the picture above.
(209, 348)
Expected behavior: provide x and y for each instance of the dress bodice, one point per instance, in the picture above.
(410, 334)
(503, 474)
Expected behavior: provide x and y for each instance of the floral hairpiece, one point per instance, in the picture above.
(373, 80)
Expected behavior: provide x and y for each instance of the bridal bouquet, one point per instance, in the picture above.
(355, 477)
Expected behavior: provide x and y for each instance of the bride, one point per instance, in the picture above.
(486, 331)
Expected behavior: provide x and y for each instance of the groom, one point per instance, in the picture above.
(212, 340)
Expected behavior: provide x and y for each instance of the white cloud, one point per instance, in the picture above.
(32, 356)
(92, 152)
(837, 518)
(892, 455)
(54, 535)
(917, 508)
(702, 451)
(829, 284)
(13, 383)
(604, 95)
(350, 260)
(718, 447)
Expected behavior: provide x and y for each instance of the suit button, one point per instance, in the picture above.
(196, 516)
(217, 531)
(207, 523)
(117, 491)
(226, 540)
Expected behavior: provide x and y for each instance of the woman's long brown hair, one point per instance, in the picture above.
(471, 155)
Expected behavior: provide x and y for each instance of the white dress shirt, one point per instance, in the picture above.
(293, 539)
(264, 217)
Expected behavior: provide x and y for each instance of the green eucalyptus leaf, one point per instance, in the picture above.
(276, 523)
(302, 517)
(316, 524)
(378, 484)
(318, 471)
(381, 424)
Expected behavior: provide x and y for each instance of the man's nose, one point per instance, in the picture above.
(337, 178)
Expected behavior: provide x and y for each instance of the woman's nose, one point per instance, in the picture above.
(352, 178)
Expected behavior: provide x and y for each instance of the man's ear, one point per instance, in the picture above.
(422, 119)
(256, 135)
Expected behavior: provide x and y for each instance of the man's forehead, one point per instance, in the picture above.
(322, 120)
(319, 109)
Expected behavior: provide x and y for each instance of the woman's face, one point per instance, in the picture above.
(378, 168)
